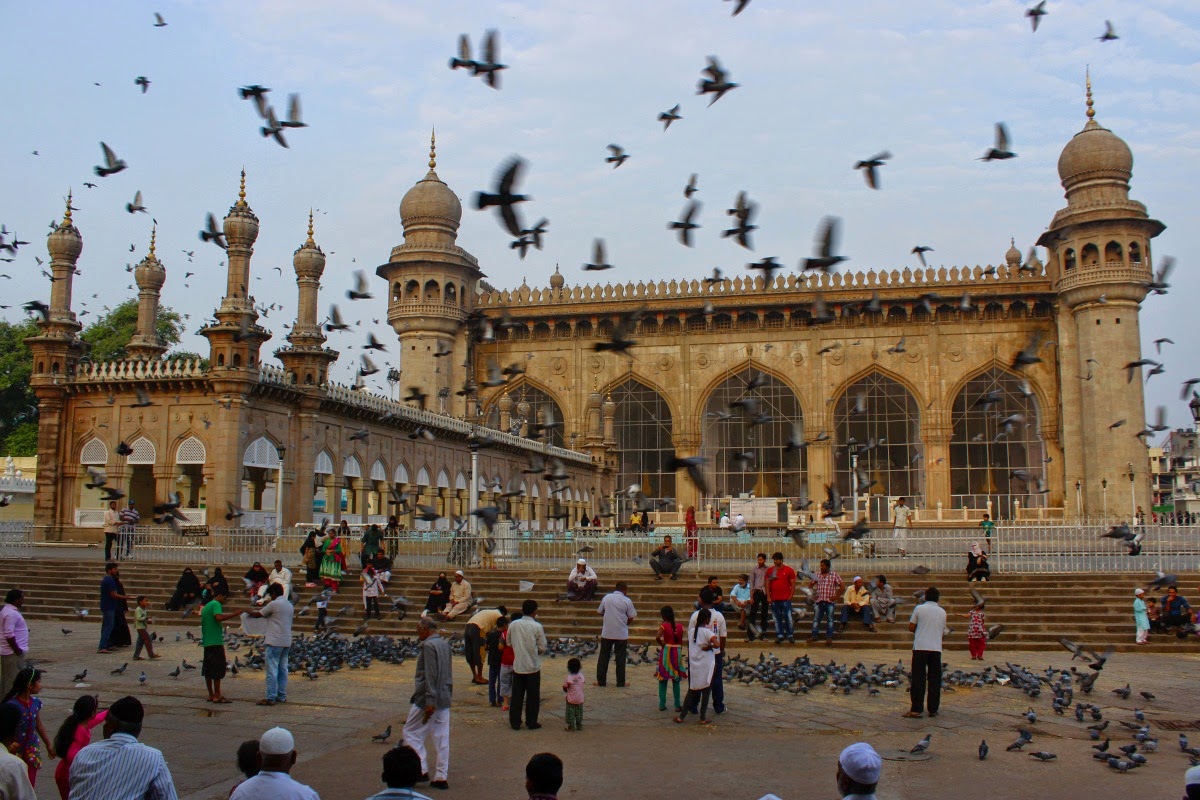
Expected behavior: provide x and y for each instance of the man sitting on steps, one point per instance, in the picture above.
(665, 559)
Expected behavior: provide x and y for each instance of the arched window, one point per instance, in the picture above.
(351, 467)
(451, 296)
(412, 290)
(94, 452)
(1069, 259)
(896, 314)
(144, 452)
(397, 292)
(877, 423)
(378, 471)
(670, 325)
(996, 432)
(401, 475)
(261, 453)
(649, 326)
(749, 419)
(1090, 255)
(642, 427)
(1112, 253)
(1135, 253)
(323, 464)
(191, 451)
(433, 292)
(539, 402)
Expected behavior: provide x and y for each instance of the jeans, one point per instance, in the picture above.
(868, 614)
(718, 684)
(782, 611)
(107, 623)
(823, 609)
(926, 670)
(494, 683)
(277, 673)
(126, 543)
(611, 647)
(527, 691)
(758, 609)
(696, 699)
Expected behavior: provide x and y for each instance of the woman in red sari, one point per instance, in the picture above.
(690, 531)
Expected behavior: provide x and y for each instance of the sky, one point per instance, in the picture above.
(821, 86)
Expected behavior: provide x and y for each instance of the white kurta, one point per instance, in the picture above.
(700, 662)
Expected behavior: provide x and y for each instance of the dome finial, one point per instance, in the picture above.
(432, 148)
(242, 190)
(310, 241)
(67, 215)
(153, 234)
(1091, 112)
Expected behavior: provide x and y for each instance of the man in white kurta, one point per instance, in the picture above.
(430, 711)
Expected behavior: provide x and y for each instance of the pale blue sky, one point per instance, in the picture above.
(822, 86)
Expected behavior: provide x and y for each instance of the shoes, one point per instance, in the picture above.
(933, 714)
(424, 778)
(265, 702)
(533, 726)
(912, 714)
(155, 656)
(138, 658)
(811, 640)
(439, 785)
(791, 640)
(750, 636)
(828, 642)
(674, 577)
(658, 577)
(871, 628)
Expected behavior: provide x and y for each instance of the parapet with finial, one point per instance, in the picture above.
(241, 225)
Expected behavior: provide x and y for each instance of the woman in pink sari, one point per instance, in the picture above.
(690, 532)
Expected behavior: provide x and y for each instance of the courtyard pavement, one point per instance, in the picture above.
(765, 742)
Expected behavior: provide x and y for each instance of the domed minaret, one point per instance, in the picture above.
(150, 275)
(306, 358)
(1099, 259)
(236, 338)
(432, 284)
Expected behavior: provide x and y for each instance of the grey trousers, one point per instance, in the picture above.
(9, 667)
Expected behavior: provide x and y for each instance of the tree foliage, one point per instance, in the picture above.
(109, 336)
(18, 403)
(22, 441)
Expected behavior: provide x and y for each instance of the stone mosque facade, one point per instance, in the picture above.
(883, 384)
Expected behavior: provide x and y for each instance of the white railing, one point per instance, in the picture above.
(138, 370)
(94, 517)
(16, 539)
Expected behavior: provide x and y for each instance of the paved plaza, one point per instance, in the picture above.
(765, 742)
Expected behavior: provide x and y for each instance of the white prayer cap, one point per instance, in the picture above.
(1139, 591)
(276, 742)
(459, 573)
(582, 562)
(861, 763)
(857, 578)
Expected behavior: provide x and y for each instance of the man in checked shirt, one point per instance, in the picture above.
(826, 588)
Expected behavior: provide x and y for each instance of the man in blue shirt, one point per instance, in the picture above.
(110, 604)
(741, 597)
(120, 767)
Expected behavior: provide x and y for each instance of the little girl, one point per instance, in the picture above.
(508, 657)
(28, 684)
(670, 661)
(976, 632)
(372, 588)
(573, 686)
(73, 735)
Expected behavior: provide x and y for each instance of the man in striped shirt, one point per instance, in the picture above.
(121, 767)
(826, 588)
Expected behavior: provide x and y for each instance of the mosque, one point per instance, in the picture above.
(879, 384)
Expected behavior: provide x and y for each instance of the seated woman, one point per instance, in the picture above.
(582, 582)
(187, 591)
(218, 584)
(256, 577)
(977, 564)
(439, 595)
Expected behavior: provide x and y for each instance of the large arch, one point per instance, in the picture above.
(876, 424)
(747, 448)
(996, 432)
(643, 430)
(538, 399)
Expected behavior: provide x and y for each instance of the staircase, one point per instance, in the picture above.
(1094, 610)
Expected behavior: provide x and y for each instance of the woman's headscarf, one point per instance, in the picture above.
(976, 550)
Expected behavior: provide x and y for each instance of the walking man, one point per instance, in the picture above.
(902, 517)
(278, 613)
(110, 604)
(759, 604)
(618, 611)
(14, 639)
(212, 639)
(928, 623)
(527, 639)
(717, 625)
(112, 524)
(781, 585)
(430, 711)
(826, 588)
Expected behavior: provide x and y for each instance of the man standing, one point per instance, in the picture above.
(857, 602)
(859, 768)
(826, 588)
(430, 711)
(276, 757)
(759, 601)
(720, 631)
(278, 641)
(112, 525)
(582, 582)
(781, 585)
(460, 597)
(129, 521)
(474, 635)
(120, 766)
(110, 604)
(665, 559)
(618, 611)
(527, 639)
(212, 639)
(14, 639)
(282, 576)
(928, 623)
(902, 517)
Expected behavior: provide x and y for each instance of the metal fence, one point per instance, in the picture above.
(1013, 548)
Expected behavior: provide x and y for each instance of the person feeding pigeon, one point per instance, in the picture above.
(582, 582)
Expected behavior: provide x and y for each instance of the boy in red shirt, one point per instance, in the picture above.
(781, 585)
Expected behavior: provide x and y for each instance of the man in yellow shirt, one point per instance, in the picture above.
(478, 627)
(857, 601)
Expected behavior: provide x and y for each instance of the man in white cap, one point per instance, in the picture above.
(858, 772)
(430, 712)
(582, 582)
(460, 597)
(1191, 784)
(276, 755)
(856, 602)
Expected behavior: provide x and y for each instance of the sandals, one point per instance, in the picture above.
(221, 701)
(265, 702)
(912, 714)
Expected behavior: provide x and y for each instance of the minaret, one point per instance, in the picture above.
(432, 283)
(306, 358)
(56, 351)
(235, 339)
(150, 275)
(1099, 258)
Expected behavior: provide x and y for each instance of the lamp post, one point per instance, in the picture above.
(279, 451)
(1104, 494)
(1078, 498)
(1132, 499)
(854, 479)
(393, 377)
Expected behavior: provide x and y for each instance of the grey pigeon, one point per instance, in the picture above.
(923, 745)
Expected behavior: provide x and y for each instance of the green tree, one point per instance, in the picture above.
(17, 401)
(110, 334)
(22, 441)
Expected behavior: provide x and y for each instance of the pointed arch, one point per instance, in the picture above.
(753, 458)
(401, 475)
(537, 395)
(144, 451)
(261, 452)
(423, 477)
(323, 465)
(351, 467)
(93, 452)
(885, 372)
(443, 479)
(460, 482)
(644, 430)
(756, 366)
(379, 471)
(877, 426)
(191, 451)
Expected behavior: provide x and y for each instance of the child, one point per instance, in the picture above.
(976, 632)
(670, 638)
(322, 612)
(27, 684)
(573, 686)
(247, 761)
(495, 652)
(1153, 615)
(507, 657)
(73, 735)
(988, 526)
(372, 588)
(141, 618)
(1140, 619)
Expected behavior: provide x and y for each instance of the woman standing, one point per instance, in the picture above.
(333, 562)
(391, 535)
(311, 553)
(701, 663)
(372, 538)
(1140, 617)
(23, 695)
(690, 531)
(670, 661)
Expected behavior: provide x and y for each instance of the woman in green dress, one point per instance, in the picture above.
(371, 541)
(334, 548)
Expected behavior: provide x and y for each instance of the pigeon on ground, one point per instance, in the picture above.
(383, 737)
(923, 745)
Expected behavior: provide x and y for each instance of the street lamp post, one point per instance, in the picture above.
(1104, 494)
(279, 451)
(854, 479)
(1132, 498)
(1078, 498)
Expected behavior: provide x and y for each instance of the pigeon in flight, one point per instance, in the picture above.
(870, 168)
(667, 117)
(717, 83)
(1110, 33)
(999, 151)
(504, 197)
(618, 157)
(599, 259)
(112, 164)
(212, 233)
(293, 119)
(159, 22)
(920, 251)
(825, 245)
(136, 205)
(686, 225)
(142, 81)
(1036, 13)
(489, 65)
